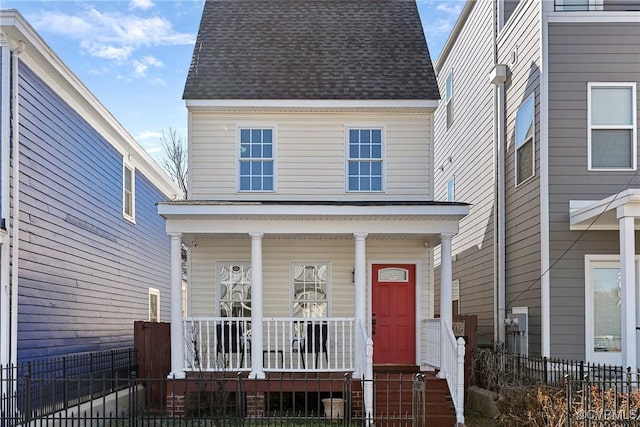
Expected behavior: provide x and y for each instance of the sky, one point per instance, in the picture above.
(134, 55)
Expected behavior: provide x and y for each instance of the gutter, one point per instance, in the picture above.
(15, 227)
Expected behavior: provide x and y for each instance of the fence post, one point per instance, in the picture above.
(545, 370)
(133, 399)
(567, 387)
(27, 393)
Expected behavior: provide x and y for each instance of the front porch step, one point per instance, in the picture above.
(394, 399)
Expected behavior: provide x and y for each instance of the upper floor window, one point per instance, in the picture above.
(525, 141)
(256, 159)
(578, 5)
(612, 126)
(129, 191)
(310, 287)
(364, 160)
(448, 98)
(451, 190)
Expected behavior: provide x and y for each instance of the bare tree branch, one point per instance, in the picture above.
(174, 159)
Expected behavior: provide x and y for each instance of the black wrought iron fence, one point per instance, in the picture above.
(207, 399)
(494, 370)
(38, 388)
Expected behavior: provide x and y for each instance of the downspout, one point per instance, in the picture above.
(545, 296)
(498, 77)
(15, 227)
(5, 188)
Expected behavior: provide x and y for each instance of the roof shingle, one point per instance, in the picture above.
(311, 49)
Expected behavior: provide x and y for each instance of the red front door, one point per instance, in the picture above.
(394, 313)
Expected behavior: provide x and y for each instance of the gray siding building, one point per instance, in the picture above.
(537, 130)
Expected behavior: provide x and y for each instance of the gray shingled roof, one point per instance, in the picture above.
(311, 49)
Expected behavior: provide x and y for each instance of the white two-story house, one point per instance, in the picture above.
(310, 220)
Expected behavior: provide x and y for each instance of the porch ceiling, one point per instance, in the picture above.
(397, 219)
(603, 214)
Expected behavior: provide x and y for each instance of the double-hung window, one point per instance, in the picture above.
(128, 191)
(525, 141)
(310, 288)
(234, 281)
(612, 126)
(364, 164)
(448, 98)
(154, 305)
(256, 159)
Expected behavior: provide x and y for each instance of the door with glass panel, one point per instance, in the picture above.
(603, 310)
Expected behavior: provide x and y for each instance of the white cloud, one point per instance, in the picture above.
(140, 66)
(149, 134)
(439, 27)
(449, 8)
(141, 4)
(112, 35)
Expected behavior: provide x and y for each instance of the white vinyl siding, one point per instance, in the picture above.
(278, 257)
(310, 155)
(612, 126)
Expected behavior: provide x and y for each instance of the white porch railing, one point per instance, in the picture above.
(289, 344)
(367, 343)
(452, 368)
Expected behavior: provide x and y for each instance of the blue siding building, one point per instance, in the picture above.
(83, 252)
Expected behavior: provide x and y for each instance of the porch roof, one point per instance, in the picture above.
(604, 214)
(398, 218)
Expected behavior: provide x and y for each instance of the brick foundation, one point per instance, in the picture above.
(255, 405)
(175, 405)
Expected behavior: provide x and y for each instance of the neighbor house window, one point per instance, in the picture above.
(578, 5)
(612, 126)
(310, 288)
(234, 281)
(451, 190)
(128, 191)
(364, 168)
(448, 98)
(525, 141)
(154, 305)
(256, 159)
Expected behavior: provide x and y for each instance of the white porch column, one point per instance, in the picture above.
(446, 293)
(177, 331)
(257, 370)
(628, 294)
(360, 309)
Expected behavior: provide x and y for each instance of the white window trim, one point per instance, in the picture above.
(156, 292)
(591, 261)
(383, 159)
(532, 98)
(292, 265)
(274, 154)
(633, 126)
(127, 164)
